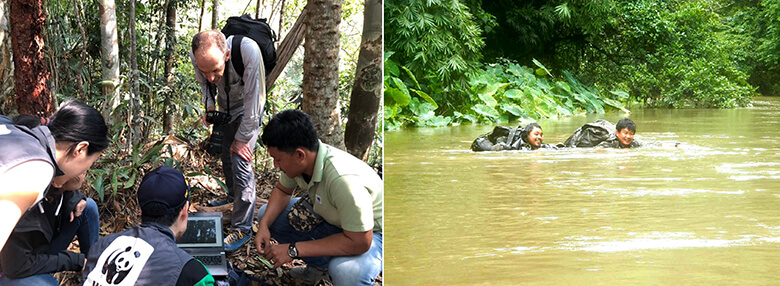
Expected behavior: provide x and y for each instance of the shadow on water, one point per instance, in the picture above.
(705, 212)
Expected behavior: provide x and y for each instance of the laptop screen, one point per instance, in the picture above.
(202, 231)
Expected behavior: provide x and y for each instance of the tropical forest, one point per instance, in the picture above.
(130, 60)
(451, 62)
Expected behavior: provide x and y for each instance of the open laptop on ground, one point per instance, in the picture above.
(203, 240)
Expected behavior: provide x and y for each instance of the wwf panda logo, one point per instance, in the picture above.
(119, 264)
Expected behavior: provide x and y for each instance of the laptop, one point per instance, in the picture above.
(203, 240)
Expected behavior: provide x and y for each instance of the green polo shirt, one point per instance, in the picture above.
(346, 191)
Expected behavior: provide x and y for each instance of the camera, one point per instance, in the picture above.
(214, 143)
(218, 118)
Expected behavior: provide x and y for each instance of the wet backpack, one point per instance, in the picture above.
(591, 134)
(500, 134)
(259, 31)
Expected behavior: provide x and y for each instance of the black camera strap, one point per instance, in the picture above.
(213, 89)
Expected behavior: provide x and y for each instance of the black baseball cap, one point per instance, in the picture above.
(163, 185)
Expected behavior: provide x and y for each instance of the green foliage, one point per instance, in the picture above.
(120, 170)
(402, 104)
(664, 53)
(438, 42)
(507, 91)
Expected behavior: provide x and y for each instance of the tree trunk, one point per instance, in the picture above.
(287, 48)
(321, 70)
(215, 14)
(135, 115)
(6, 66)
(79, 70)
(202, 10)
(366, 93)
(31, 76)
(109, 49)
(170, 55)
(281, 18)
(257, 10)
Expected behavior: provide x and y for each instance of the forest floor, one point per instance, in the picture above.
(119, 212)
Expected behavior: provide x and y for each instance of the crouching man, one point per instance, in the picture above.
(147, 254)
(336, 226)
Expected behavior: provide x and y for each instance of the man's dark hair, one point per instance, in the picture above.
(289, 130)
(76, 122)
(166, 220)
(626, 123)
(527, 131)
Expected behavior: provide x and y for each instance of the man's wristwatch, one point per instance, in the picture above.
(292, 251)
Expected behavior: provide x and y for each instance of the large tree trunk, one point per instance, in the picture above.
(109, 49)
(135, 96)
(321, 70)
(366, 93)
(6, 66)
(170, 55)
(215, 14)
(31, 76)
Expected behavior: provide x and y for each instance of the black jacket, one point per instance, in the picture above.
(27, 251)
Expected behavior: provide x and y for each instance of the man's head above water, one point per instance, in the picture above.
(210, 51)
(624, 131)
(533, 135)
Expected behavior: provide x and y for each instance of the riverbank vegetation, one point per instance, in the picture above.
(495, 61)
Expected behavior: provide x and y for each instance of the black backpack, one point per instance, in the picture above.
(259, 31)
(591, 134)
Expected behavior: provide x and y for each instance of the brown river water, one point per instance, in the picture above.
(704, 213)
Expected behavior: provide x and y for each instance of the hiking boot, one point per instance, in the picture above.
(235, 240)
(221, 202)
(308, 274)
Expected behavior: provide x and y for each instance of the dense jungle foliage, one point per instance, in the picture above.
(73, 42)
(494, 61)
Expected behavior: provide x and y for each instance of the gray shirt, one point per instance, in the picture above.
(247, 91)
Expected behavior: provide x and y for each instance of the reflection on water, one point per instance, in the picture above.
(706, 212)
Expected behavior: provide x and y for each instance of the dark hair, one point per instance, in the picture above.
(290, 129)
(527, 131)
(209, 38)
(156, 207)
(27, 120)
(626, 123)
(76, 122)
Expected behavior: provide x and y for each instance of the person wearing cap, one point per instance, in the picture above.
(147, 254)
(38, 246)
(345, 191)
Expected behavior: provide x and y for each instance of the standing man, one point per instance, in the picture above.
(242, 97)
(147, 254)
(343, 235)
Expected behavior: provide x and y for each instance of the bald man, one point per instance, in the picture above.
(242, 97)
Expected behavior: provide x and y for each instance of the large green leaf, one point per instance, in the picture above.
(425, 96)
(485, 110)
(513, 93)
(514, 110)
(392, 69)
(486, 94)
(615, 104)
(400, 98)
(541, 66)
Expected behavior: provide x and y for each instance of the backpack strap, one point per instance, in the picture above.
(235, 55)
